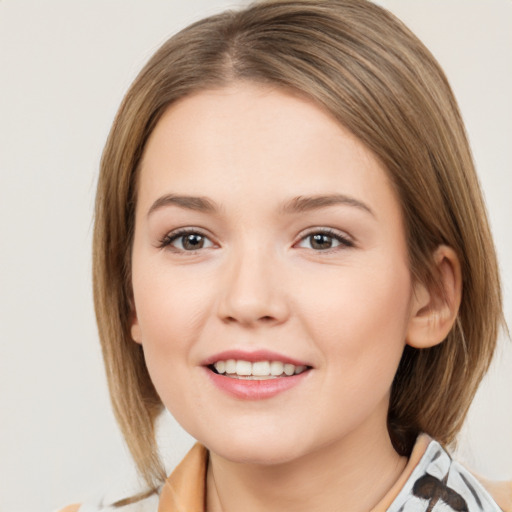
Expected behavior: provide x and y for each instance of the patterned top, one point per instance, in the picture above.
(431, 482)
(440, 484)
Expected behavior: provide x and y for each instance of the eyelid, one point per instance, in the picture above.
(346, 241)
(166, 241)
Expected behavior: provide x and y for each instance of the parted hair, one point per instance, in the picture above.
(361, 64)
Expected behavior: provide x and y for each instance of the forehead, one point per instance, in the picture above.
(247, 139)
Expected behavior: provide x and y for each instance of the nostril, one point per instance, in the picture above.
(263, 319)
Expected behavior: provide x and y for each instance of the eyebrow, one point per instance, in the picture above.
(200, 204)
(299, 204)
(302, 204)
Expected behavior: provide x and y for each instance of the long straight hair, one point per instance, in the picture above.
(362, 65)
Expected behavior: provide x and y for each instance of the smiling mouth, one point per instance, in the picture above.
(257, 370)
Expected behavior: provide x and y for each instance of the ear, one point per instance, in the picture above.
(433, 313)
(135, 327)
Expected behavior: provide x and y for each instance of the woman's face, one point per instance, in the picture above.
(268, 242)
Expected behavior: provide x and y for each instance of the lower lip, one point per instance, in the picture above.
(255, 389)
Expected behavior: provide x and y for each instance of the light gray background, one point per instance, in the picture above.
(64, 67)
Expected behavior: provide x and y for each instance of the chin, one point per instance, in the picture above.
(256, 447)
(254, 453)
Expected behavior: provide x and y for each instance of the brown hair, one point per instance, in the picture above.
(369, 71)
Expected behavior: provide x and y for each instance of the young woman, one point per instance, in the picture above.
(291, 254)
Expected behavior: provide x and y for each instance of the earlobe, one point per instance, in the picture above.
(135, 329)
(434, 312)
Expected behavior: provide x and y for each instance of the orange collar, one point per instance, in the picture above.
(184, 490)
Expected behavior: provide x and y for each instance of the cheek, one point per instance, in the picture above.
(169, 323)
(360, 317)
(171, 312)
(169, 300)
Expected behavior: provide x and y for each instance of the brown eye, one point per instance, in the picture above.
(320, 241)
(325, 240)
(186, 241)
(192, 241)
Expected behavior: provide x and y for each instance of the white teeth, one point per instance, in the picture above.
(276, 368)
(289, 369)
(261, 368)
(230, 366)
(220, 366)
(243, 368)
(258, 369)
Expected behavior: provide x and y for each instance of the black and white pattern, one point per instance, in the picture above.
(440, 484)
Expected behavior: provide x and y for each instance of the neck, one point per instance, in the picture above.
(353, 474)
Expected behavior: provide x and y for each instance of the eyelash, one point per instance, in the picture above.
(168, 239)
(344, 241)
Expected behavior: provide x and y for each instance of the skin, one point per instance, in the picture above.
(259, 282)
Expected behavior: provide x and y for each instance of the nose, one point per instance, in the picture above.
(251, 293)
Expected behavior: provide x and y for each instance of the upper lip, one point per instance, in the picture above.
(252, 356)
